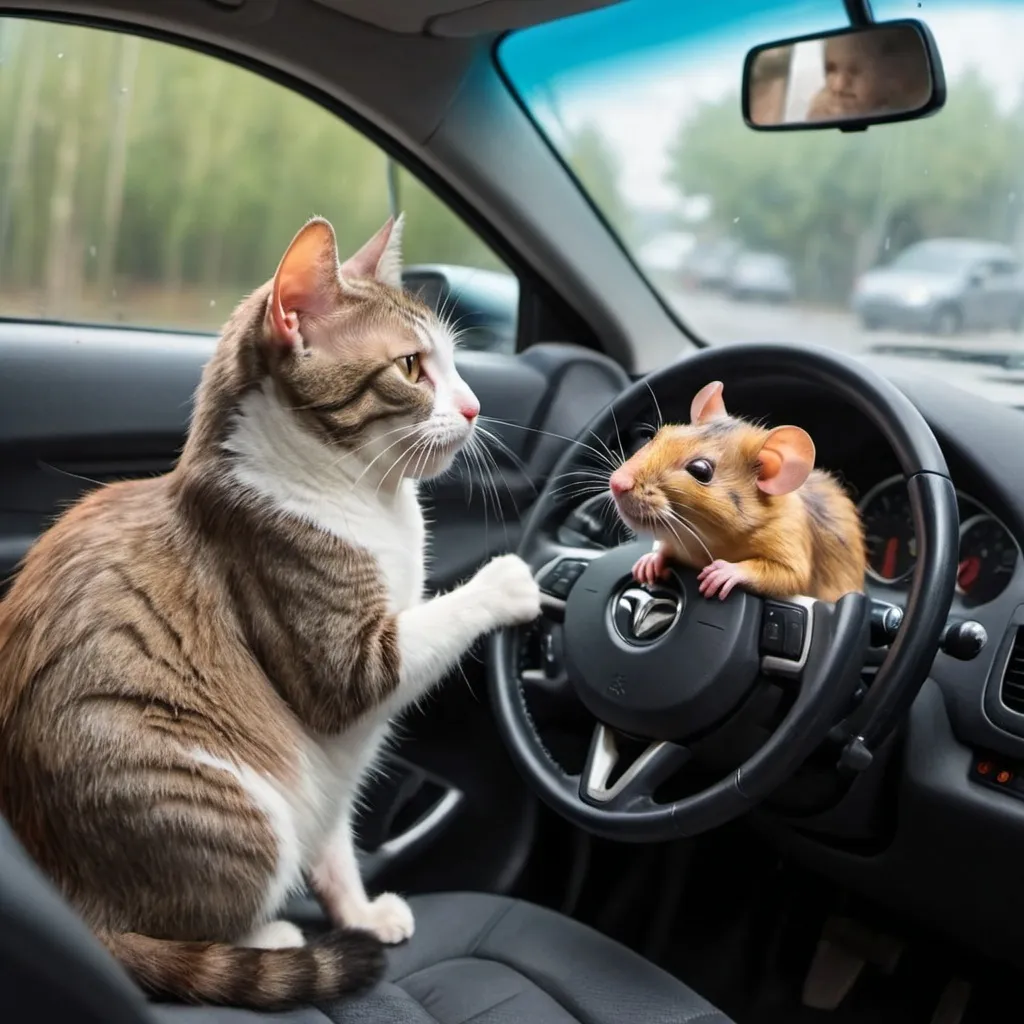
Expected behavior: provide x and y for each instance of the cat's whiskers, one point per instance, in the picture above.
(412, 430)
(348, 453)
(495, 469)
(500, 444)
(474, 452)
(605, 459)
(403, 459)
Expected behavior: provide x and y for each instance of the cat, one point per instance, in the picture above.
(197, 670)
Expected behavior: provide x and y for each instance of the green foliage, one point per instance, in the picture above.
(434, 235)
(829, 200)
(145, 182)
(599, 170)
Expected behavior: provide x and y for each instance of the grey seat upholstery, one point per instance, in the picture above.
(475, 958)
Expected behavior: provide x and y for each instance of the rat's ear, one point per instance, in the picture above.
(381, 256)
(306, 282)
(786, 460)
(707, 404)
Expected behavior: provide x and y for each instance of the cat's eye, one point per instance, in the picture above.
(410, 367)
(702, 470)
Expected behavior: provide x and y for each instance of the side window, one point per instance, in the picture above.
(146, 185)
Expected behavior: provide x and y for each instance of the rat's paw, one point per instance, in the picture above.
(388, 917)
(506, 588)
(719, 578)
(650, 568)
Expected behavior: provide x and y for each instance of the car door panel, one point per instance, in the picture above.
(81, 406)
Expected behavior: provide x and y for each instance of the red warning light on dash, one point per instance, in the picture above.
(1003, 777)
(985, 768)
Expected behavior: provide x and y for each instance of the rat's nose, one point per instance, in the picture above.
(620, 482)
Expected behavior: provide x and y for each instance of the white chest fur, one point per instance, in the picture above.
(284, 463)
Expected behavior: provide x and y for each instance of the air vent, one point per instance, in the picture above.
(1011, 691)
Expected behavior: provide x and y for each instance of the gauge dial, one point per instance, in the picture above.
(988, 557)
(889, 532)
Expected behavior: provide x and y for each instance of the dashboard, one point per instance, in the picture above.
(923, 829)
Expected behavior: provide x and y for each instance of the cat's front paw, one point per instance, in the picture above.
(506, 588)
(387, 916)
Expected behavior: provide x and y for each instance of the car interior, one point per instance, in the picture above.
(778, 811)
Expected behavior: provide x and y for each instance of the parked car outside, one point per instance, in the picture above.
(710, 263)
(944, 286)
(761, 275)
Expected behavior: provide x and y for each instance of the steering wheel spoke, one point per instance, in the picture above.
(787, 630)
(608, 782)
(556, 570)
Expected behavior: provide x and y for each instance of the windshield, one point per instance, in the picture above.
(641, 99)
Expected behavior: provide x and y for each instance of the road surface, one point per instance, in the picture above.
(721, 321)
(717, 319)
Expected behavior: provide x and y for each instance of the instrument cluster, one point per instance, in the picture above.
(988, 552)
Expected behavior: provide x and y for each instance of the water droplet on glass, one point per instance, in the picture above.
(1012, 197)
(113, 293)
(885, 246)
(735, 220)
(124, 90)
(213, 302)
(60, 56)
(92, 250)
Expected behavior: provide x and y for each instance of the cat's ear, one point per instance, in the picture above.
(381, 256)
(306, 282)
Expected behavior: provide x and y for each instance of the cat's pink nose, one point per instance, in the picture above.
(621, 482)
(470, 408)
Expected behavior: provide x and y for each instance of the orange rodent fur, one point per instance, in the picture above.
(744, 505)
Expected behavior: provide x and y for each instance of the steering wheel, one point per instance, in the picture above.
(666, 666)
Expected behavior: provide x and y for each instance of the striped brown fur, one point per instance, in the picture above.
(270, 980)
(173, 646)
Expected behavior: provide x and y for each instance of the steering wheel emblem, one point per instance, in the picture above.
(642, 616)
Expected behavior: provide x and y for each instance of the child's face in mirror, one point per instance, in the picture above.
(864, 76)
(854, 76)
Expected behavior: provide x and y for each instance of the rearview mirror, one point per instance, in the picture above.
(847, 79)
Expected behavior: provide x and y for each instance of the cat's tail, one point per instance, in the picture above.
(342, 961)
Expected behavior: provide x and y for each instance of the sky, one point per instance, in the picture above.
(639, 112)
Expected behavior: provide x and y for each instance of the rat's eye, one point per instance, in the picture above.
(702, 470)
(410, 367)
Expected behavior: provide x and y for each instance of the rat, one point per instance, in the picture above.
(744, 505)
